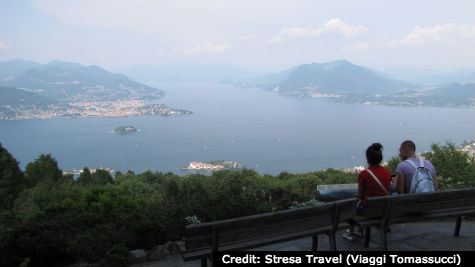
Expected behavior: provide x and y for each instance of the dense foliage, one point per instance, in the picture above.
(48, 218)
(455, 169)
(11, 179)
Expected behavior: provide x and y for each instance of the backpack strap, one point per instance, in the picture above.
(377, 180)
(421, 162)
(413, 164)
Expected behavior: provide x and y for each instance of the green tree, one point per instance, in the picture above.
(85, 178)
(121, 177)
(454, 168)
(11, 179)
(101, 177)
(43, 169)
(392, 164)
(118, 174)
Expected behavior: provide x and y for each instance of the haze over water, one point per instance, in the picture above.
(259, 129)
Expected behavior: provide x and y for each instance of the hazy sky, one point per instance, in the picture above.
(254, 34)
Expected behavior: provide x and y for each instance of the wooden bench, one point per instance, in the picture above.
(202, 240)
(383, 211)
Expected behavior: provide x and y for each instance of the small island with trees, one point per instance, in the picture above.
(125, 129)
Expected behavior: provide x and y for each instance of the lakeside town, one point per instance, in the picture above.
(213, 165)
(468, 148)
(78, 172)
(119, 108)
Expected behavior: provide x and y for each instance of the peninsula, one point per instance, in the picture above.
(69, 90)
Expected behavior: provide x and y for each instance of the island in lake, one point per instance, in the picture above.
(213, 165)
(125, 129)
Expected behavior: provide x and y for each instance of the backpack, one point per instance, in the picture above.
(422, 179)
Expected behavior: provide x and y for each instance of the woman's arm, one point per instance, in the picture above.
(360, 194)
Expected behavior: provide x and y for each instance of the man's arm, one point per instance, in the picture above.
(436, 185)
(399, 183)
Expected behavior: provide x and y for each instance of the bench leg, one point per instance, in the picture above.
(315, 243)
(204, 261)
(367, 236)
(332, 242)
(211, 259)
(384, 243)
(457, 226)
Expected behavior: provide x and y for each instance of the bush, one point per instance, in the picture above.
(454, 168)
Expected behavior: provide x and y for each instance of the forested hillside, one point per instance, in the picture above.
(48, 218)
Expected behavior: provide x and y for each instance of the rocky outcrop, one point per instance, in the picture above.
(137, 256)
(162, 251)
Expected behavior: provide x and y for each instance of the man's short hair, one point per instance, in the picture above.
(408, 144)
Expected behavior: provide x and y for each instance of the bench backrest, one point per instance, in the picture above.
(407, 204)
(294, 222)
(260, 226)
(270, 224)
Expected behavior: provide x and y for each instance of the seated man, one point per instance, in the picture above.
(405, 171)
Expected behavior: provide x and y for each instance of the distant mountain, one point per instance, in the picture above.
(274, 77)
(12, 68)
(433, 77)
(68, 81)
(454, 95)
(14, 101)
(196, 73)
(17, 97)
(343, 81)
(335, 78)
(463, 90)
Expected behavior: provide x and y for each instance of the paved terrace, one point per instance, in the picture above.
(427, 236)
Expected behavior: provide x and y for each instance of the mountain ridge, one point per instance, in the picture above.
(343, 81)
(68, 81)
(335, 77)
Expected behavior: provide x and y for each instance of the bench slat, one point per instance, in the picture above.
(252, 227)
(261, 218)
(189, 254)
(414, 203)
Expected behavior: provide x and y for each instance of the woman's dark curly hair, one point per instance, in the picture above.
(374, 154)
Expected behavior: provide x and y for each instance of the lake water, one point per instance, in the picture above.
(259, 129)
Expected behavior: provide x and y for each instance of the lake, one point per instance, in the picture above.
(259, 129)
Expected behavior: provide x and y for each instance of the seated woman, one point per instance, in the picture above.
(372, 182)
